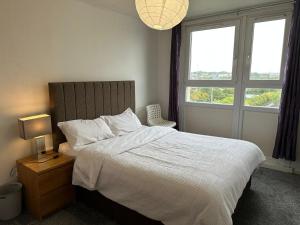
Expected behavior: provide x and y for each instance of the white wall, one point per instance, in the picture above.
(163, 70)
(65, 40)
(215, 122)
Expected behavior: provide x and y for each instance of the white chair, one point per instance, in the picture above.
(154, 117)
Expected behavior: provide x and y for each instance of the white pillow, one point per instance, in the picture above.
(82, 132)
(123, 123)
(66, 149)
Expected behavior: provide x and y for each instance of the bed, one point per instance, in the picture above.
(153, 175)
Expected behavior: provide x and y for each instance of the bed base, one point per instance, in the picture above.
(121, 214)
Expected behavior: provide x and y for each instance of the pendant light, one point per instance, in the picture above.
(162, 14)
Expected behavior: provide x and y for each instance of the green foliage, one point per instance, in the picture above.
(203, 75)
(199, 95)
(226, 101)
(212, 95)
(225, 96)
(224, 75)
(254, 96)
(268, 98)
(264, 76)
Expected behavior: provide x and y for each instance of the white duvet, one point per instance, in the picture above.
(173, 177)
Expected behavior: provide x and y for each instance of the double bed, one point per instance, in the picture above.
(153, 175)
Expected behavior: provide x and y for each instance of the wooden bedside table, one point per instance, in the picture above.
(48, 185)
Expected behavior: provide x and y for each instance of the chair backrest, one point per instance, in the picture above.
(153, 112)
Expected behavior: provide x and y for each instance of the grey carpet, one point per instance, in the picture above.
(274, 199)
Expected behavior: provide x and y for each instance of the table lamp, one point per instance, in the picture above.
(35, 128)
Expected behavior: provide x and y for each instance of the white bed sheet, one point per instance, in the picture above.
(174, 177)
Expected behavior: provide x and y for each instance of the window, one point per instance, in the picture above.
(262, 97)
(212, 95)
(263, 86)
(212, 68)
(212, 54)
(219, 73)
(267, 50)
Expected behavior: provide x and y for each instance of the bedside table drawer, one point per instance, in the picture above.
(56, 178)
(47, 185)
(56, 199)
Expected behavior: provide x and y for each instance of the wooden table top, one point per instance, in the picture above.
(46, 163)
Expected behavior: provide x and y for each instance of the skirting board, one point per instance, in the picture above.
(281, 165)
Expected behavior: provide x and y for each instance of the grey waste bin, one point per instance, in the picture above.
(10, 200)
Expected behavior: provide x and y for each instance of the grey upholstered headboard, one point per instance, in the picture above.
(87, 100)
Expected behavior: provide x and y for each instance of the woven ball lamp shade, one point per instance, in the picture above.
(162, 14)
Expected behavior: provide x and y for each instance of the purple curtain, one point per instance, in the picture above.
(174, 75)
(288, 120)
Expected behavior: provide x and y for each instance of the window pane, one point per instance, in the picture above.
(212, 54)
(211, 95)
(262, 97)
(267, 50)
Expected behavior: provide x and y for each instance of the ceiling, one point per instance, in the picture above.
(122, 6)
(196, 8)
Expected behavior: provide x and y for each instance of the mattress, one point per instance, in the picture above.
(174, 177)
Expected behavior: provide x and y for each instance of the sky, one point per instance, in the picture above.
(212, 50)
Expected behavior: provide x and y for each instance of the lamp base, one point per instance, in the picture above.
(38, 145)
(38, 157)
(41, 158)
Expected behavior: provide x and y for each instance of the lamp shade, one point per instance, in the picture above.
(162, 14)
(34, 126)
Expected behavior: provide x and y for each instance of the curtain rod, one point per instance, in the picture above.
(241, 10)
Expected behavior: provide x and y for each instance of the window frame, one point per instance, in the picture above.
(241, 63)
(249, 47)
(264, 84)
(212, 83)
(226, 106)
